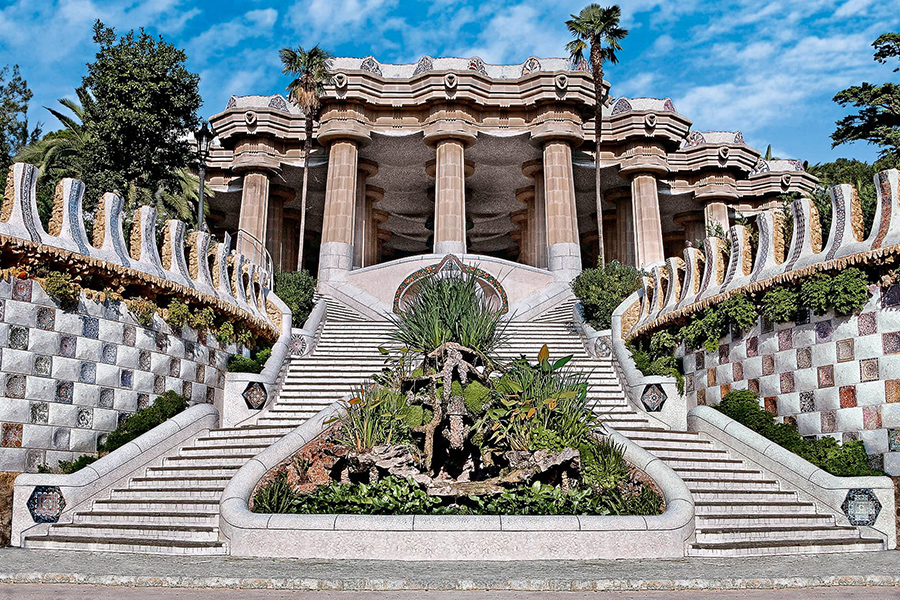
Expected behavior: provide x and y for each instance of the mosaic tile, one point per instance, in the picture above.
(18, 337)
(844, 350)
(689, 384)
(87, 373)
(211, 359)
(724, 390)
(128, 335)
(90, 327)
(867, 323)
(752, 347)
(848, 396)
(111, 310)
(61, 439)
(144, 360)
(876, 462)
(699, 360)
(143, 401)
(823, 332)
(766, 326)
(85, 418)
(890, 295)
(804, 358)
(40, 412)
(64, 392)
(46, 504)
(210, 394)
(803, 315)
(162, 342)
(868, 369)
(21, 290)
(107, 397)
(220, 380)
(872, 417)
(46, 318)
(785, 339)
(768, 364)
(123, 416)
(108, 355)
(43, 365)
(787, 383)
(15, 386)
(826, 376)
(753, 385)
(652, 398)
(67, 345)
(891, 342)
(771, 403)
(861, 507)
(12, 435)
(2, 310)
(189, 349)
(710, 378)
(737, 371)
(894, 440)
(159, 384)
(829, 421)
(34, 459)
(792, 421)
(187, 389)
(174, 367)
(723, 354)
(849, 436)
(200, 374)
(807, 402)
(255, 395)
(126, 378)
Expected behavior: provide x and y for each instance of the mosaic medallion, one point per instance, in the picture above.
(126, 378)
(891, 342)
(752, 347)
(108, 354)
(785, 339)
(88, 372)
(807, 402)
(107, 398)
(868, 369)
(792, 421)
(489, 284)
(828, 421)
(826, 376)
(189, 349)
(871, 417)
(823, 332)
(689, 384)
(21, 290)
(18, 337)
(84, 418)
(848, 396)
(653, 397)
(849, 436)
(12, 435)
(43, 365)
(255, 395)
(144, 360)
(67, 345)
(771, 403)
(128, 335)
(804, 358)
(64, 392)
(46, 318)
(90, 327)
(15, 386)
(844, 350)
(45, 504)
(861, 506)
(867, 324)
(40, 412)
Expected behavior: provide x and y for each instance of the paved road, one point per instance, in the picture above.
(85, 592)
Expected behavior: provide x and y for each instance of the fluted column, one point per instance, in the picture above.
(563, 249)
(336, 254)
(450, 197)
(253, 217)
(646, 220)
(525, 220)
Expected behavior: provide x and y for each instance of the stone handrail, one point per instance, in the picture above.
(450, 537)
(810, 481)
(194, 266)
(683, 286)
(83, 485)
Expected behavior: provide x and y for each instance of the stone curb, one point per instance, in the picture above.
(387, 585)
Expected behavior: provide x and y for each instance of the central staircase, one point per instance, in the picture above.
(172, 506)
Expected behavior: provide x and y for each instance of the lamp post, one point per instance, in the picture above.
(203, 137)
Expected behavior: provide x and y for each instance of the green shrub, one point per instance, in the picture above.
(602, 290)
(296, 289)
(781, 304)
(277, 497)
(603, 465)
(61, 288)
(253, 364)
(476, 396)
(70, 466)
(815, 293)
(165, 407)
(203, 319)
(849, 291)
(178, 315)
(243, 336)
(706, 331)
(739, 313)
(144, 310)
(376, 415)
(844, 460)
(225, 333)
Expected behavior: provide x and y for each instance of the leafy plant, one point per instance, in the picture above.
(739, 312)
(815, 293)
(225, 333)
(60, 287)
(780, 304)
(376, 415)
(203, 319)
(277, 497)
(255, 363)
(296, 289)
(849, 291)
(178, 315)
(143, 310)
(70, 466)
(600, 291)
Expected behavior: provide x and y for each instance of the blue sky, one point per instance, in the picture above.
(766, 67)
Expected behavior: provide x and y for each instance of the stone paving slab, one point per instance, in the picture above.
(827, 570)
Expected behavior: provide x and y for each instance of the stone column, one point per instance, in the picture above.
(610, 243)
(525, 220)
(336, 254)
(716, 211)
(290, 240)
(537, 227)
(254, 213)
(694, 226)
(362, 225)
(563, 249)
(647, 225)
(370, 252)
(620, 240)
(274, 230)
(450, 198)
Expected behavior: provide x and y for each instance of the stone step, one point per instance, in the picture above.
(253, 439)
(168, 531)
(223, 450)
(704, 482)
(253, 430)
(722, 475)
(638, 436)
(704, 462)
(769, 534)
(751, 508)
(770, 520)
(785, 547)
(666, 452)
(665, 443)
(185, 505)
(220, 460)
(124, 544)
(203, 470)
(741, 494)
(162, 518)
(198, 480)
(209, 493)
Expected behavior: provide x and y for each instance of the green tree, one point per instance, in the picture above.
(145, 101)
(597, 29)
(878, 118)
(15, 132)
(61, 151)
(311, 74)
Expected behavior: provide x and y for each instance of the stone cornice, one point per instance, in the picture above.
(776, 182)
(738, 157)
(666, 126)
(236, 122)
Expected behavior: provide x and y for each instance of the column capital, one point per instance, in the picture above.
(450, 129)
(374, 193)
(533, 168)
(557, 131)
(618, 194)
(368, 168)
(431, 168)
(526, 195)
(333, 130)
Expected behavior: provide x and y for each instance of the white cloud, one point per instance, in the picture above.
(334, 21)
(221, 37)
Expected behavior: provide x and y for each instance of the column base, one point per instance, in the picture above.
(335, 261)
(564, 261)
(457, 248)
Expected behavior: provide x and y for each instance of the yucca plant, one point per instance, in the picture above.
(374, 416)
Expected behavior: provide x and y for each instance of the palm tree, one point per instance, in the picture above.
(60, 150)
(597, 28)
(311, 75)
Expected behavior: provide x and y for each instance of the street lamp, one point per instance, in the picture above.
(203, 137)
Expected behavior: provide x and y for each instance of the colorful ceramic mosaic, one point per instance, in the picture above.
(785, 340)
(162, 342)
(210, 395)
(753, 385)
(861, 506)
(15, 386)
(768, 364)
(64, 392)
(890, 296)
(787, 383)
(807, 402)
(108, 354)
(143, 401)
(711, 378)
(868, 369)
(826, 376)
(126, 378)
(61, 438)
(85, 418)
(823, 332)
(174, 367)
(848, 396)
(43, 365)
(187, 389)
(200, 375)
(46, 318)
(894, 440)
(18, 337)
(46, 504)
(724, 390)
(128, 335)
(90, 327)
(701, 397)
(867, 324)
(844, 350)
(255, 395)
(829, 421)
(891, 342)
(144, 360)
(87, 373)
(159, 384)
(804, 358)
(802, 317)
(67, 345)
(21, 290)
(771, 404)
(752, 346)
(40, 412)
(723, 354)
(872, 417)
(699, 360)
(766, 326)
(107, 398)
(12, 435)
(451, 263)
(737, 371)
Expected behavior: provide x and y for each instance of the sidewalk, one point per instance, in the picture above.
(42, 566)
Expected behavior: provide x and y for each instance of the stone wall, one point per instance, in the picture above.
(828, 375)
(70, 377)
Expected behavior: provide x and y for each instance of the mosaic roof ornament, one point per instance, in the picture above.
(739, 138)
(424, 65)
(477, 65)
(370, 65)
(622, 105)
(761, 166)
(669, 105)
(232, 102)
(583, 65)
(694, 138)
(278, 103)
(532, 65)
